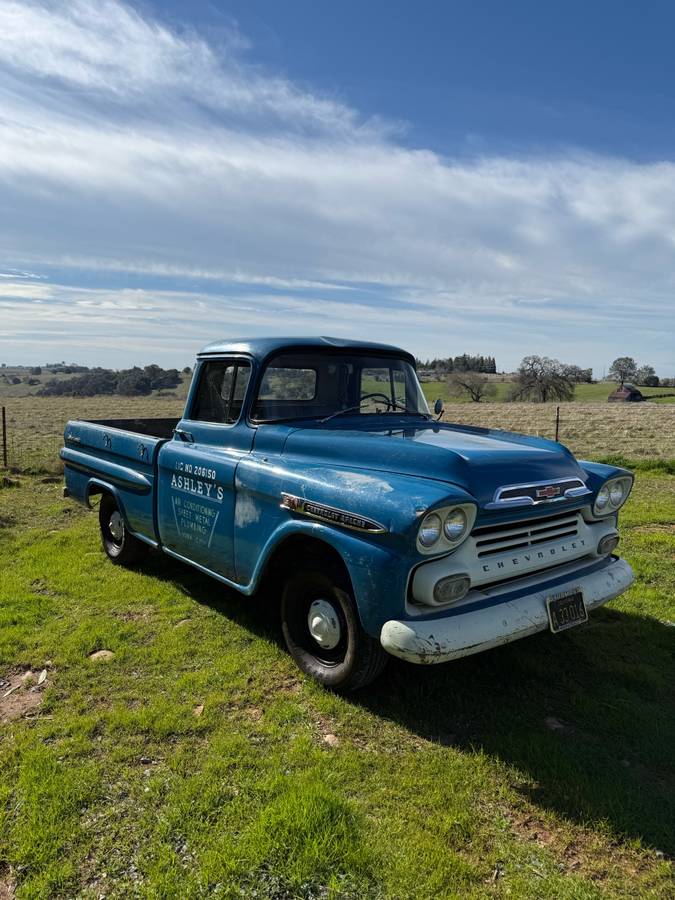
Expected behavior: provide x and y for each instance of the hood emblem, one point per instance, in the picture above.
(324, 513)
(548, 492)
(538, 492)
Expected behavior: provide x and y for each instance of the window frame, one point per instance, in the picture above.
(228, 360)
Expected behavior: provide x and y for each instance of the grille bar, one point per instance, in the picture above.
(494, 539)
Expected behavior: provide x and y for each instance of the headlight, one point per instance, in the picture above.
(455, 525)
(602, 500)
(612, 495)
(444, 529)
(430, 530)
(616, 492)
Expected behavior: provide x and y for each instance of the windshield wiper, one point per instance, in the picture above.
(395, 404)
(341, 412)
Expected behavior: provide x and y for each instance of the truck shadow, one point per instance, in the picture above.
(586, 719)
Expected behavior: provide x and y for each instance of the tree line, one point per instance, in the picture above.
(463, 363)
(132, 382)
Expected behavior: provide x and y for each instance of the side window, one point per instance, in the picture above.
(222, 385)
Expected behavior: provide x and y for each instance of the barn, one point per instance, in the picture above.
(625, 393)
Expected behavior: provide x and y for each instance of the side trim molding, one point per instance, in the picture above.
(323, 513)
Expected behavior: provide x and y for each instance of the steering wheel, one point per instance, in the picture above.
(384, 397)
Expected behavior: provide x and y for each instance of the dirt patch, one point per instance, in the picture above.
(665, 528)
(19, 695)
(6, 885)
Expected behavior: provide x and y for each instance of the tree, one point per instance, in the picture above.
(646, 376)
(578, 375)
(476, 385)
(540, 379)
(623, 369)
(134, 383)
(187, 370)
(36, 370)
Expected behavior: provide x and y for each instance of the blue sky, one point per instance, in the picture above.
(453, 177)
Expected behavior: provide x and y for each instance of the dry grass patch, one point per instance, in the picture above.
(639, 431)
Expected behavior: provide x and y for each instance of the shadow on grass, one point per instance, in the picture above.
(586, 718)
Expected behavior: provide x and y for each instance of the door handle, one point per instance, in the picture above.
(184, 435)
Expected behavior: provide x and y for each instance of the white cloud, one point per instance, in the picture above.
(129, 147)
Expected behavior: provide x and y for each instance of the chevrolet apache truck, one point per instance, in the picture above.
(315, 466)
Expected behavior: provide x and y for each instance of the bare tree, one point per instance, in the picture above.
(474, 384)
(540, 379)
(623, 369)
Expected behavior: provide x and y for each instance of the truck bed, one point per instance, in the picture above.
(120, 456)
(159, 428)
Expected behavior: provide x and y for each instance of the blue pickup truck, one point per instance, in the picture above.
(315, 465)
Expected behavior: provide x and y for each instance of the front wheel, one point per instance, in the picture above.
(322, 631)
(120, 546)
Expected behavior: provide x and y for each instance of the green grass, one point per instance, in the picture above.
(445, 782)
(584, 393)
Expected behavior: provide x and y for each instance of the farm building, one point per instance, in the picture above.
(625, 393)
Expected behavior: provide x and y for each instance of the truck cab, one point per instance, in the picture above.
(314, 465)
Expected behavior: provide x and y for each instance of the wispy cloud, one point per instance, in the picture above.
(131, 148)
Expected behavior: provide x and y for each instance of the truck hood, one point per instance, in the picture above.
(479, 460)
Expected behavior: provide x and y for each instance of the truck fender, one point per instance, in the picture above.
(98, 486)
(354, 552)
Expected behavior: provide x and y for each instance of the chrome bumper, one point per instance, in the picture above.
(475, 630)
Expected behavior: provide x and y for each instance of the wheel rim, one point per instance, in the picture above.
(323, 624)
(313, 623)
(116, 527)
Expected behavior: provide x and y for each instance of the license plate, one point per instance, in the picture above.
(566, 610)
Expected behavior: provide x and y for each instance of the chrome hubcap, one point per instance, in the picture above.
(323, 624)
(116, 526)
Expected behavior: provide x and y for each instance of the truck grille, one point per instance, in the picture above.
(491, 540)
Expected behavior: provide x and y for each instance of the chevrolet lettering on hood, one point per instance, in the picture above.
(313, 466)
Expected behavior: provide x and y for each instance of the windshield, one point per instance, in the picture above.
(319, 385)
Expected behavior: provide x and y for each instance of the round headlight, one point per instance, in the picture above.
(454, 526)
(602, 500)
(430, 530)
(616, 492)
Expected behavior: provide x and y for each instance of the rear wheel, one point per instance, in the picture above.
(322, 630)
(120, 546)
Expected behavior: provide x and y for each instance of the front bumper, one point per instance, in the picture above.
(472, 630)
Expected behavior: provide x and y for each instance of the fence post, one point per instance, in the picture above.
(4, 438)
(557, 422)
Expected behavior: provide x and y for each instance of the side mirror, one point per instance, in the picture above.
(438, 407)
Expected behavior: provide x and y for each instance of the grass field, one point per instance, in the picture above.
(640, 431)
(584, 393)
(196, 761)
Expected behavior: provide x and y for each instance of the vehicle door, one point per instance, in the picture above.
(196, 491)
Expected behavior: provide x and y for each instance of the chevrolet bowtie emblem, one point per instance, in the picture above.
(548, 492)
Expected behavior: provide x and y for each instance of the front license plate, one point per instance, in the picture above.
(566, 610)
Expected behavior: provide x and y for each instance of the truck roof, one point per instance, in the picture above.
(263, 347)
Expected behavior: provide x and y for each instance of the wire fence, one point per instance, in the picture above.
(32, 428)
(32, 435)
